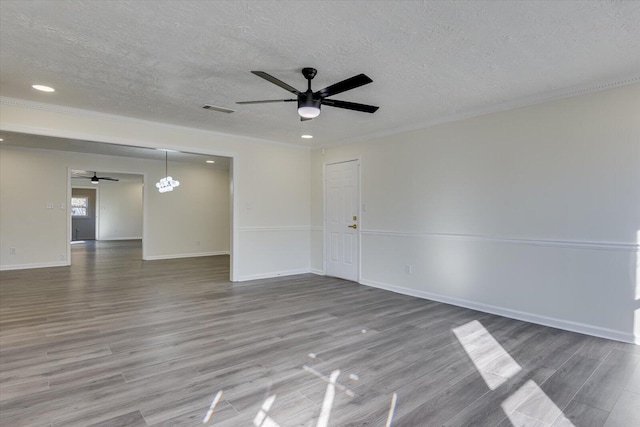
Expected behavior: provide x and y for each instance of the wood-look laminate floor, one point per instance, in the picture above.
(115, 341)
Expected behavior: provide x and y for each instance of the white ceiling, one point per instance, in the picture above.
(430, 61)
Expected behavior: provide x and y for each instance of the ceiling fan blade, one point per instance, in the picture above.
(350, 105)
(304, 119)
(348, 84)
(266, 101)
(106, 178)
(277, 82)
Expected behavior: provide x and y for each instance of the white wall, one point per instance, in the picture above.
(271, 182)
(120, 208)
(37, 234)
(532, 213)
(195, 216)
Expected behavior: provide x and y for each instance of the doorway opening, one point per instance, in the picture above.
(83, 214)
(108, 209)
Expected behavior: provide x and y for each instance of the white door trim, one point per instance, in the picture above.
(97, 188)
(97, 207)
(325, 227)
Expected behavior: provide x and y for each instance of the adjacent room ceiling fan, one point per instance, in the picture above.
(96, 179)
(309, 102)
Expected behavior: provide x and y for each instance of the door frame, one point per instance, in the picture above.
(96, 228)
(97, 188)
(325, 233)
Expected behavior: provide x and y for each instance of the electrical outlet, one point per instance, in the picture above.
(408, 269)
(12, 251)
(49, 205)
(63, 206)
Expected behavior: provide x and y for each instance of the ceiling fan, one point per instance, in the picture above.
(96, 179)
(309, 102)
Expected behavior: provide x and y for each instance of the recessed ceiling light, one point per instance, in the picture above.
(1, 139)
(211, 161)
(306, 136)
(43, 88)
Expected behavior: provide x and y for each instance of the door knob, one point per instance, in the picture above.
(354, 226)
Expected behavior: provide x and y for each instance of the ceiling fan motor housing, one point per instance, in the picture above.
(309, 73)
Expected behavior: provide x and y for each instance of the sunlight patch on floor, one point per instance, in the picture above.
(530, 405)
(262, 418)
(212, 407)
(392, 409)
(492, 361)
(327, 403)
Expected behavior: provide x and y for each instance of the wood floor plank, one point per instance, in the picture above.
(130, 419)
(606, 384)
(559, 389)
(445, 405)
(23, 389)
(626, 411)
(581, 415)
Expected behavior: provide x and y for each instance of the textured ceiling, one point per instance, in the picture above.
(162, 60)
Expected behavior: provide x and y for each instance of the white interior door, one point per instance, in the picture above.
(342, 244)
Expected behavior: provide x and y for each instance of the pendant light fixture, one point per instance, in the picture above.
(167, 183)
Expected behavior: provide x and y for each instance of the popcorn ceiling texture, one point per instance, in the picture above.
(163, 60)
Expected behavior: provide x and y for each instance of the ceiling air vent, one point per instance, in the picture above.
(220, 109)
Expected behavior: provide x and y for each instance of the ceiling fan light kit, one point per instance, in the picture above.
(308, 108)
(309, 102)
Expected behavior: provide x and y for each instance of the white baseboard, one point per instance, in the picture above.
(35, 265)
(120, 238)
(192, 255)
(272, 274)
(318, 272)
(567, 325)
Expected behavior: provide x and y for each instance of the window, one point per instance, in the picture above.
(79, 206)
